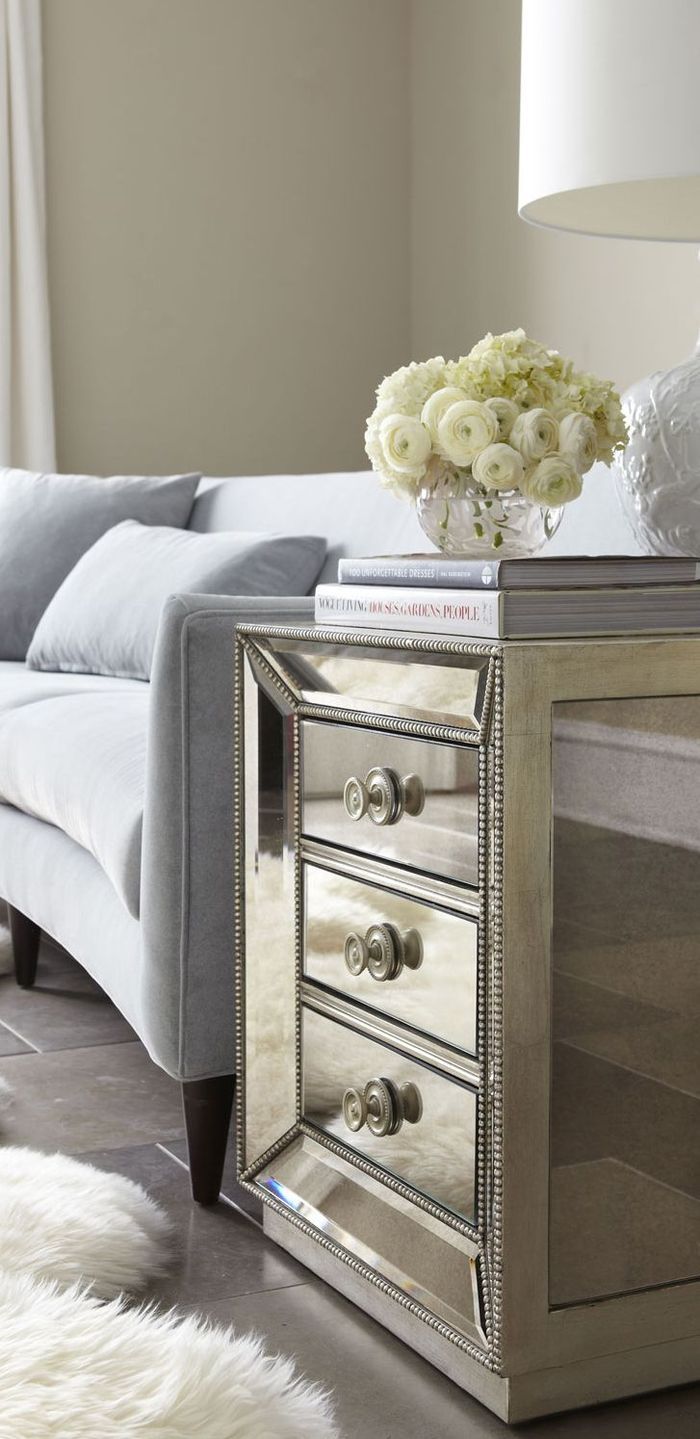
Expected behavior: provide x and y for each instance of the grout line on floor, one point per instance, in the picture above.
(77, 1049)
(21, 1037)
(252, 1293)
(223, 1198)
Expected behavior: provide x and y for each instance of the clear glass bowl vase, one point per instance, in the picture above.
(473, 523)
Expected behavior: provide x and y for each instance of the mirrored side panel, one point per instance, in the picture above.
(447, 689)
(270, 915)
(625, 1107)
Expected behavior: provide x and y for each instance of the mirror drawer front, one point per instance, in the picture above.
(406, 1118)
(410, 801)
(411, 961)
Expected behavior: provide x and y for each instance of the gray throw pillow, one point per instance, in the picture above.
(104, 618)
(48, 521)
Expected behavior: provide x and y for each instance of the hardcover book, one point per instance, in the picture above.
(538, 572)
(511, 614)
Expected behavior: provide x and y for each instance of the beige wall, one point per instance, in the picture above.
(228, 238)
(259, 207)
(622, 308)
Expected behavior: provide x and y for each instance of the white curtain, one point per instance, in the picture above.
(26, 394)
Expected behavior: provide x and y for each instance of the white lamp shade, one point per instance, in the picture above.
(610, 117)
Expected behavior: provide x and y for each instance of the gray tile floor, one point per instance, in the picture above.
(84, 1085)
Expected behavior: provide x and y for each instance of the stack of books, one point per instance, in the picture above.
(514, 599)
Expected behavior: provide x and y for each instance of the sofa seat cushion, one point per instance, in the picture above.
(77, 760)
(21, 686)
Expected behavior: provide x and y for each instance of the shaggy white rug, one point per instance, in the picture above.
(66, 1220)
(73, 1366)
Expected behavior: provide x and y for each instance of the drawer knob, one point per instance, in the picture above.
(383, 950)
(382, 1106)
(383, 795)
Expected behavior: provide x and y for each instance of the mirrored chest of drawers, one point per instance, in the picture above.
(468, 886)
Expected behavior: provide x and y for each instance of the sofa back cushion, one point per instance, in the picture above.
(104, 618)
(48, 521)
(352, 511)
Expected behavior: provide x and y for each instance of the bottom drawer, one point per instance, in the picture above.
(403, 1116)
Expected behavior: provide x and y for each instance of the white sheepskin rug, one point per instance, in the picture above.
(78, 1363)
(66, 1220)
(74, 1368)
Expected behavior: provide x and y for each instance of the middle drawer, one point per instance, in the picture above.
(411, 961)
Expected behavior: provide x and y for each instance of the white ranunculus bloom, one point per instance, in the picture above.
(434, 408)
(405, 444)
(465, 429)
(499, 467)
(578, 440)
(506, 412)
(554, 481)
(536, 434)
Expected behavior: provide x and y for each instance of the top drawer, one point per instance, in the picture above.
(410, 801)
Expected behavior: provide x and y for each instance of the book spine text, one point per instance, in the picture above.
(468, 613)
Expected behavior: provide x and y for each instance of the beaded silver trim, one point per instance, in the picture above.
(374, 1171)
(372, 639)
(419, 729)
(384, 1285)
(239, 901)
(493, 1138)
(258, 658)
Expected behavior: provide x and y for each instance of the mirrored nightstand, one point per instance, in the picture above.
(468, 880)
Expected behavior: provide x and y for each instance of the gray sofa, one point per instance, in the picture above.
(145, 904)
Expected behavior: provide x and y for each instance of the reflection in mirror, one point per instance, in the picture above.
(422, 972)
(426, 1136)
(385, 682)
(433, 1263)
(625, 1180)
(270, 973)
(439, 834)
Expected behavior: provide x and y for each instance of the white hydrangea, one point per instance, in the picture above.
(511, 413)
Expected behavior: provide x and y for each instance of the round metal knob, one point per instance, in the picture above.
(413, 791)
(383, 795)
(385, 805)
(356, 953)
(383, 951)
(354, 1109)
(355, 798)
(411, 1103)
(383, 1106)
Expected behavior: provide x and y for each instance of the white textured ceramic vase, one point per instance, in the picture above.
(658, 474)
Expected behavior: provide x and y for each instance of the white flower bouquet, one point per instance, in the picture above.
(510, 422)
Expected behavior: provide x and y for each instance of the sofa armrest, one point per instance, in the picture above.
(187, 882)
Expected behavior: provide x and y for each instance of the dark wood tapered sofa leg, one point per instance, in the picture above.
(207, 1104)
(25, 946)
